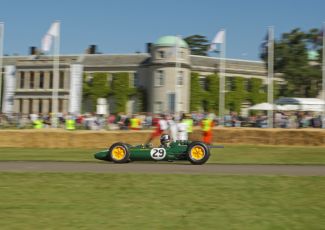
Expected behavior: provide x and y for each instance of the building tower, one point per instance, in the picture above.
(169, 89)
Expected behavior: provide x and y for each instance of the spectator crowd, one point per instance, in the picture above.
(122, 121)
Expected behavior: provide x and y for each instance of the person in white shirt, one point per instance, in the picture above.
(172, 125)
(182, 131)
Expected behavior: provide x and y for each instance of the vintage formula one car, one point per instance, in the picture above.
(196, 152)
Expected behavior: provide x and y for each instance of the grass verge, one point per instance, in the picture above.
(126, 201)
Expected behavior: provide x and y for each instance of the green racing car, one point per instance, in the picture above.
(196, 152)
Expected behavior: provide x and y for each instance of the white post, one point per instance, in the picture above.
(323, 77)
(56, 69)
(1, 59)
(270, 57)
(177, 69)
(222, 78)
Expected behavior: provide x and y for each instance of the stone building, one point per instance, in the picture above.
(163, 71)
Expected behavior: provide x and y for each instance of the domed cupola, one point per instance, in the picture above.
(164, 50)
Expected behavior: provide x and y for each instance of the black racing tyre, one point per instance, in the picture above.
(198, 153)
(119, 153)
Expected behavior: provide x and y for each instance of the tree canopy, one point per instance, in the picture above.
(198, 44)
(297, 57)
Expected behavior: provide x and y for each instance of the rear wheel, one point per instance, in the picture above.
(119, 153)
(198, 153)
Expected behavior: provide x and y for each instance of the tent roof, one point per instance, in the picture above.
(263, 106)
(299, 101)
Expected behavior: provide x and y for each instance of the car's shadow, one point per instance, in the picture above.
(150, 162)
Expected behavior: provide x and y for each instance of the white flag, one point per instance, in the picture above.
(54, 29)
(47, 42)
(48, 37)
(218, 39)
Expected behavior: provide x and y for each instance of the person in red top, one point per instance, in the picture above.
(161, 128)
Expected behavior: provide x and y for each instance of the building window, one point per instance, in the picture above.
(182, 54)
(60, 102)
(22, 80)
(203, 82)
(30, 106)
(50, 106)
(230, 84)
(136, 80)
(41, 80)
(263, 89)
(180, 78)
(248, 85)
(160, 78)
(131, 80)
(161, 54)
(282, 89)
(21, 105)
(31, 80)
(158, 107)
(171, 102)
(51, 80)
(40, 106)
(61, 80)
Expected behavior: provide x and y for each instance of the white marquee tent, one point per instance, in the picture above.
(302, 104)
(265, 106)
(292, 104)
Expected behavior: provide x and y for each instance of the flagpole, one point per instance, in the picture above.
(1, 60)
(176, 74)
(323, 77)
(177, 70)
(222, 80)
(270, 75)
(56, 68)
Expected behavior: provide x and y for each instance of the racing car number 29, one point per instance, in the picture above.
(196, 152)
(158, 153)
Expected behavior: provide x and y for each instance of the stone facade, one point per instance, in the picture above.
(164, 72)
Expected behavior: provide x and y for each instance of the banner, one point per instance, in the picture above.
(9, 89)
(76, 72)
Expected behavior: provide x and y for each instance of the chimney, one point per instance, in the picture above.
(149, 46)
(33, 50)
(92, 49)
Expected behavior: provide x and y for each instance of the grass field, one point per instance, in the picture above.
(148, 201)
(231, 154)
(154, 201)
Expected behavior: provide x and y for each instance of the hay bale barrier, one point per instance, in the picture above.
(102, 139)
(296, 137)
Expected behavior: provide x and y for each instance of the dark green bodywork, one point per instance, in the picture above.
(176, 151)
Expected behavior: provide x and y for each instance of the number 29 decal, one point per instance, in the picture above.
(158, 153)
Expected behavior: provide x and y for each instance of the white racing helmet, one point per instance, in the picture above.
(164, 139)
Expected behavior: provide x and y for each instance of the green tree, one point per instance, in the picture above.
(291, 60)
(198, 44)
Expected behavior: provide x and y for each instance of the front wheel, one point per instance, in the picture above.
(198, 153)
(119, 153)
